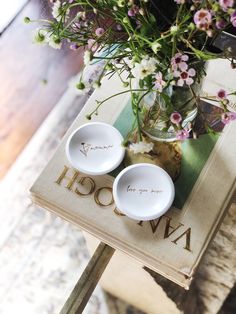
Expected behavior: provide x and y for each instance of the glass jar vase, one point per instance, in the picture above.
(157, 108)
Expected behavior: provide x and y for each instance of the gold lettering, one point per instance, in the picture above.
(118, 213)
(154, 225)
(187, 234)
(168, 227)
(63, 176)
(97, 196)
(83, 182)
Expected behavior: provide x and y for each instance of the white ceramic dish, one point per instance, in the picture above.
(143, 191)
(95, 148)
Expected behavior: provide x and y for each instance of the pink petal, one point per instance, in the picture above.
(183, 66)
(180, 82)
(174, 67)
(177, 55)
(225, 121)
(184, 57)
(189, 81)
(232, 116)
(182, 134)
(191, 72)
(176, 74)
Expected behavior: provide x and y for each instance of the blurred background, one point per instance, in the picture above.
(32, 78)
(41, 256)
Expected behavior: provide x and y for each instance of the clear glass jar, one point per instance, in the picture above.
(156, 111)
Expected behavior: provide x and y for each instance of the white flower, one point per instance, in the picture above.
(56, 11)
(155, 47)
(145, 68)
(141, 147)
(87, 57)
(40, 36)
(174, 29)
(55, 42)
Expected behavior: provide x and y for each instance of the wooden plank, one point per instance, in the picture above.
(88, 281)
(25, 97)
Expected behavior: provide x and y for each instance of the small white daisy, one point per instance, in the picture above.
(141, 147)
(146, 67)
(55, 42)
(56, 11)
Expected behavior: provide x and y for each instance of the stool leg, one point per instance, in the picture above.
(85, 286)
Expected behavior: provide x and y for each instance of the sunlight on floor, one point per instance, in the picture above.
(8, 11)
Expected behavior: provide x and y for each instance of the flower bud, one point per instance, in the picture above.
(174, 29)
(80, 86)
(126, 20)
(27, 20)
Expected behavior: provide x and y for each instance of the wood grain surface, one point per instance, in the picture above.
(86, 284)
(32, 80)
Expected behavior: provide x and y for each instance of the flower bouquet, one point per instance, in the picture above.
(157, 48)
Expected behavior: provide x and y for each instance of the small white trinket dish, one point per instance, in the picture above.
(143, 191)
(95, 148)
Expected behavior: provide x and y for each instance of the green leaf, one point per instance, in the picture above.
(204, 55)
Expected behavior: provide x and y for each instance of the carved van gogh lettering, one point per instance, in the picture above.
(98, 199)
(63, 176)
(84, 181)
(154, 224)
(85, 186)
(169, 227)
(187, 235)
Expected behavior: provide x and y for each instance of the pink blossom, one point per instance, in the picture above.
(233, 18)
(227, 117)
(221, 94)
(159, 83)
(175, 117)
(182, 134)
(133, 11)
(220, 24)
(99, 31)
(185, 77)
(225, 4)
(74, 46)
(118, 27)
(202, 19)
(92, 45)
(179, 61)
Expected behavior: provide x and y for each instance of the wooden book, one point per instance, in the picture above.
(173, 244)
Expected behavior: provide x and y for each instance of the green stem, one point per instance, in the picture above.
(112, 96)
